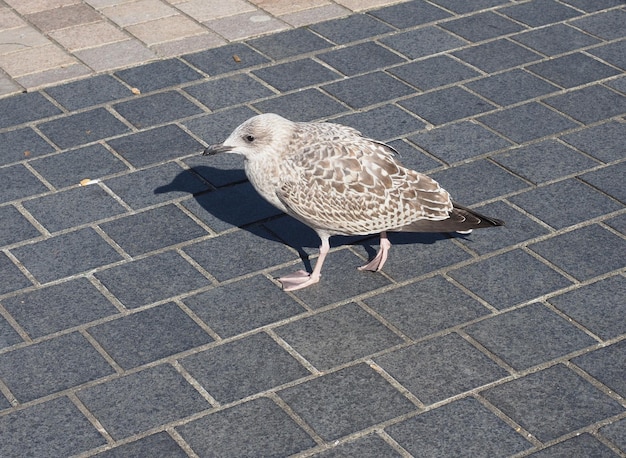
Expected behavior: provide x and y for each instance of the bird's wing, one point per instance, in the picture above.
(356, 186)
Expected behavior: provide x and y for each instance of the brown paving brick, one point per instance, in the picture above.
(188, 45)
(54, 76)
(33, 6)
(66, 16)
(202, 11)
(361, 5)
(137, 12)
(166, 29)
(9, 20)
(20, 39)
(279, 7)
(7, 86)
(116, 55)
(314, 15)
(246, 25)
(34, 60)
(88, 35)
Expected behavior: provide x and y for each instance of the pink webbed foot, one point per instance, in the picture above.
(379, 260)
(298, 280)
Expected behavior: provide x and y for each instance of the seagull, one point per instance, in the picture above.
(339, 182)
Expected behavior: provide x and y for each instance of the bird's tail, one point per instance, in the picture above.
(461, 219)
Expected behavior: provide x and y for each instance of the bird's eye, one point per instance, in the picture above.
(249, 138)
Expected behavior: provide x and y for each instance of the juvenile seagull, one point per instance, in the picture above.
(338, 182)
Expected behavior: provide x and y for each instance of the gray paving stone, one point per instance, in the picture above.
(616, 432)
(537, 13)
(290, 43)
(158, 75)
(134, 403)
(155, 109)
(582, 252)
(382, 123)
(607, 365)
(153, 229)
(4, 403)
(360, 58)
(515, 123)
(155, 145)
(544, 161)
(573, 70)
(607, 25)
(243, 367)
(370, 446)
(302, 106)
(529, 336)
(8, 337)
(159, 442)
(511, 87)
(458, 142)
(352, 28)
(462, 428)
(12, 279)
(433, 72)
(18, 182)
(482, 26)
(413, 158)
(547, 403)
(216, 127)
(446, 105)
(231, 309)
(66, 255)
(151, 279)
(150, 335)
(245, 430)
(422, 42)
(54, 428)
(590, 104)
(220, 60)
(497, 55)
(584, 444)
(509, 279)
(593, 5)
(618, 223)
(89, 92)
(228, 91)
(25, 108)
(85, 127)
(606, 179)
(220, 170)
(296, 74)
(462, 6)
(565, 203)
(354, 398)
(20, 144)
(337, 336)
(614, 53)
(15, 227)
(73, 207)
(51, 366)
(409, 14)
(555, 39)
(618, 84)
(605, 142)
(436, 369)
(68, 304)
(369, 89)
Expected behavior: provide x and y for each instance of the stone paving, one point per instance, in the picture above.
(139, 312)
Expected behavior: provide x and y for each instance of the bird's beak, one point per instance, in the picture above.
(216, 149)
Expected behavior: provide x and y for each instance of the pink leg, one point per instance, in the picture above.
(302, 279)
(379, 260)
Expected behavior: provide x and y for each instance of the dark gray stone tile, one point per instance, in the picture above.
(618, 223)
(544, 161)
(371, 446)
(153, 229)
(242, 306)
(462, 6)
(446, 105)
(433, 72)
(607, 179)
(66, 255)
(462, 428)
(337, 336)
(593, 5)
(497, 55)
(413, 158)
(216, 127)
(243, 367)
(352, 28)
(607, 365)
(159, 442)
(508, 279)
(477, 181)
(360, 58)
(458, 142)
(590, 104)
(583, 252)
(68, 304)
(584, 445)
(527, 122)
(540, 12)
(296, 74)
(605, 142)
(228, 91)
(12, 279)
(15, 227)
(158, 108)
(369, 89)
(73, 207)
(511, 87)
(89, 92)
(220, 60)
(547, 403)
(302, 106)
(616, 432)
(151, 279)
(134, 403)
(422, 42)
(439, 368)
(220, 170)
(158, 75)
(20, 144)
(156, 185)
(54, 428)
(614, 54)
(608, 25)
(245, 430)
(289, 44)
(51, 366)
(70, 167)
(24, 108)
(155, 145)
(482, 26)
(555, 39)
(150, 335)
(565, 203)
(529, 336)
(353, 398)
(573, 70)
(382, 123)
(8, 337)
(86, 127)
(18, 182)
(409, 14)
